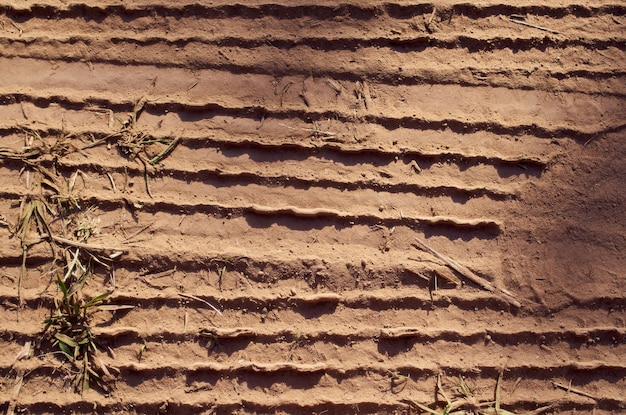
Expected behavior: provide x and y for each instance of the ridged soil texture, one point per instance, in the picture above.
(312, 207)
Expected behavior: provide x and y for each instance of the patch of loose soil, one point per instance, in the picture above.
(316, 142)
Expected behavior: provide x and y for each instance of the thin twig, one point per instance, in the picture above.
(532, 25)
(161, 274)
(128, 238)
(312, 130)
(20, 279)
(145, 174)
(440, 389)
(284, 91)
(17, 27)
(471, 275)
(99, 141)
(112, 182)
(19, 379)
(23, 110)
(201, 300)
(497, 393)
(573, 390)
(590, 140)
(81, 245)
(432, 16)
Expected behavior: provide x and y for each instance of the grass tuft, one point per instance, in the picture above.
(69, 326)
(52, 212)
(464, 402)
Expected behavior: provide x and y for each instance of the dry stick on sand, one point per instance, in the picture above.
(507, 296)
(128, 238)
(112, 182)
(19, 379)
(201, 300)
(570, 389)
(312, 130)
(75, 244)
(532, 25)
(429, 22)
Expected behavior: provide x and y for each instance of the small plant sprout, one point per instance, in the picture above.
(294, 344)
(398, 381)
(52, 211)
(142, 349)
(32, 217)
(69, 326)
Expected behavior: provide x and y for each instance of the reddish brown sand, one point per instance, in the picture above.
(317, 142)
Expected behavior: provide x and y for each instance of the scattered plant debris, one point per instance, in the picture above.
(465, 402)
(52, 211)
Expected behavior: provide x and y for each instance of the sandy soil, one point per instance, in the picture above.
(316, 142)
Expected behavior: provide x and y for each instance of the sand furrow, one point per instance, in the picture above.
(268, 262)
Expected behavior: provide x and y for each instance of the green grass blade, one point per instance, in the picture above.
(62, 338)
(85, 384)
(62, 286)
(163, 154)
(95, 300)
(66, 351)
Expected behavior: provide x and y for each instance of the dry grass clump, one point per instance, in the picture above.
(464, 402)
(52, 212)
(69, 325)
